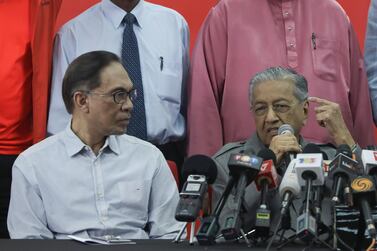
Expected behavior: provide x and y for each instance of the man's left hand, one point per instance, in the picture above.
(329, 115)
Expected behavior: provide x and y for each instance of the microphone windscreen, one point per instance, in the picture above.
(267, 154)
(311, 148)
(285, 128)
(200, 165)
(344, 149)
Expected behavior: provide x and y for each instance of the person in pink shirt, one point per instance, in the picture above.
(240, 38)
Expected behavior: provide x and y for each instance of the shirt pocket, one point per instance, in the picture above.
(134, 198)
(325, 57)
(168, 84)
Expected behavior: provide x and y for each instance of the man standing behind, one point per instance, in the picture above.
(153, 43)
(371, 55)
(91, 180)
(240, 38)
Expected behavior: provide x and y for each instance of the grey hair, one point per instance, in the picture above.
(282, 74)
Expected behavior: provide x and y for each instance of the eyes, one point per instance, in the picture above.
(121, 96)
(261, 109)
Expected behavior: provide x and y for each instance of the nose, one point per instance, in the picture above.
(128, 105)
(271, 116)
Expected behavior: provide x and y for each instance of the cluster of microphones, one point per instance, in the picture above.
(309, 176)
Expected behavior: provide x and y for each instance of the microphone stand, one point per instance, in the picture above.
(209, 226)
(306, 218)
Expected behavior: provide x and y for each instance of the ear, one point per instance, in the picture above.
(305, 108)
(80, 101)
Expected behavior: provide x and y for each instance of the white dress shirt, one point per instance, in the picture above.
(60, 187)
(162, 37)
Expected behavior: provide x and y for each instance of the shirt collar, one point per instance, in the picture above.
(74, 145)
(115, 14)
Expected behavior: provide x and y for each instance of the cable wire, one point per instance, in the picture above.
(371, 244)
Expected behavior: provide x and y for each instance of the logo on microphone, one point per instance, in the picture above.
(246, 159)
(361, 184)
(306, 160)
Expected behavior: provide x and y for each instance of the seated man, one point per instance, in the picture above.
(92, 180)
(278, 96)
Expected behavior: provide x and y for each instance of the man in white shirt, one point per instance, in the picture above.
(162, 37)
(92, 180)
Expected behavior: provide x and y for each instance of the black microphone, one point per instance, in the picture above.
(266, 179)
(198, 171)
(364, 195)
(243, 168)
(342, 168)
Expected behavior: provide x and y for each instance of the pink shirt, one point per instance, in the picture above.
(240, 38)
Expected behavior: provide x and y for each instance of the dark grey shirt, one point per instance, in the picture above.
(252, 197)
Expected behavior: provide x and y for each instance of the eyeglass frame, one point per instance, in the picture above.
(289, 107)
(132, 95)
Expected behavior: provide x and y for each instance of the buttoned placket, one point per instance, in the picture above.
(102, 208)
(290, 33)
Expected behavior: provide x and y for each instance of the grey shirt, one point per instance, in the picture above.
(252, 197)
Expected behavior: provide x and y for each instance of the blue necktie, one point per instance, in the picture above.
(131, 61)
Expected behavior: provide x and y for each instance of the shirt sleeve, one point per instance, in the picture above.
(58, 116)
(26, 216)
(363, 128)
(371, 55)
(185, 66)
(163, 203)
(205, 84)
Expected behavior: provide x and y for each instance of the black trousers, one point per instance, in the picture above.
(6, 163)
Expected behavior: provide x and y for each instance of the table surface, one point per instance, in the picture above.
(144, 245)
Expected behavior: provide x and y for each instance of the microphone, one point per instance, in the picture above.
(369, 159)
(198, 171)
(289, 187)
(243, 168)
(266, 179)
(318, 190)
(309, 169)
(342, 167)
(364, 195)
(287, 129)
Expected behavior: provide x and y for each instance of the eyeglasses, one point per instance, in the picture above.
(261, 110)
(119, 97)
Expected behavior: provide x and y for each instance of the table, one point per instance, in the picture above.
(141, 245)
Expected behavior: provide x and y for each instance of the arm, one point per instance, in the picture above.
(162, 203)
(371, 55)
(205, 84)
(26, 216)
(363, 129)
(185, 66)
(58, 116)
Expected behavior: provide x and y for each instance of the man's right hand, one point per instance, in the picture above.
(281, 144)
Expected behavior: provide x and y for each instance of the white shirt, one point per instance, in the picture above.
(60, 187)
(162, 33)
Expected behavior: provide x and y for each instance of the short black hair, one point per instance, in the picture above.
(84, 74)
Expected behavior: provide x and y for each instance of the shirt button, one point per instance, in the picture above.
(290, 28)
(286, 13)
(292, 45)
